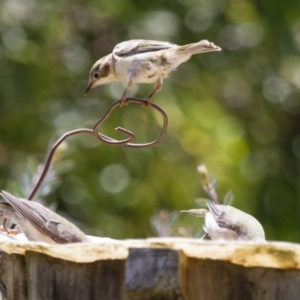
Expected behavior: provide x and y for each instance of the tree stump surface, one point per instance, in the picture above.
(155, 268)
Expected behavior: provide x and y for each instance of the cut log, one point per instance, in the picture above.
(160, 268)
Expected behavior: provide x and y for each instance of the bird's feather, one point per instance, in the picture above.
(132, 47)
(61, 231)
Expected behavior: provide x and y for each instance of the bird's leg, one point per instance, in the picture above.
(3, 228)
(124, 98)
(158, 86)
(203, 236)
(8, 231)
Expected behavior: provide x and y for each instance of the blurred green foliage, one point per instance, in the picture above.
(237, 111)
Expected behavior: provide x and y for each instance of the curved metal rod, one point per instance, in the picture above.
(101, 137)
(127, 142)
(49, 160)
(107, 140)
(51, 154)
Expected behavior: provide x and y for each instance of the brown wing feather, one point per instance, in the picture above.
(140, 46)
(219, 214)
(37, 217)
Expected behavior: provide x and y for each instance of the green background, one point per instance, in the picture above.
(237, 111)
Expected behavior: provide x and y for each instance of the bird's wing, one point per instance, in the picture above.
(38, 216)
(25, 209)
(219, 214)
(140, 46)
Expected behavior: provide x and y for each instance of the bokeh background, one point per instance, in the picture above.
(237, 111)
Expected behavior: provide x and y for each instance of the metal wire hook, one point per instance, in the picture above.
(127, 142)
(103, 138)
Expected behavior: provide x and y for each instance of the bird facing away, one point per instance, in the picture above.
(224, 222)
(39, 223)
(143, 61)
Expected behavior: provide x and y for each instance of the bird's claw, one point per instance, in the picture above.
(123, 101)
(147, 102)
(3, 229)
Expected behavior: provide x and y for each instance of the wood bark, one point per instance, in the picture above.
(164, 268)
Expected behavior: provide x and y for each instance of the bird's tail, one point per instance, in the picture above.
(200, 47)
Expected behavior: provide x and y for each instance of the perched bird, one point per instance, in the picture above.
(143, 61)
(39, 223)
(224, 222)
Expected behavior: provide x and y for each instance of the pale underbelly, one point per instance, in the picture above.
(147, 71)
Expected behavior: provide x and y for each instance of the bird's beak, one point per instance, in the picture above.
(196, 212)
(89, 86)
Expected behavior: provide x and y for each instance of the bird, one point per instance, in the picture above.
(39, 223)
(225, 222)
(143, 61)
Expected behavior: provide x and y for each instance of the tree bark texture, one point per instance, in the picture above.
(160, 268)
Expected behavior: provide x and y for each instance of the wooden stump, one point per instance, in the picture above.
(166, 268)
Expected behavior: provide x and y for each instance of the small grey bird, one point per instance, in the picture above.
(224, 222)
(143, 61)
(39, 223)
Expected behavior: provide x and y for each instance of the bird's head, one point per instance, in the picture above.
(101, 73)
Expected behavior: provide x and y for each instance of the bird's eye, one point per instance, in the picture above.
(96, 75)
